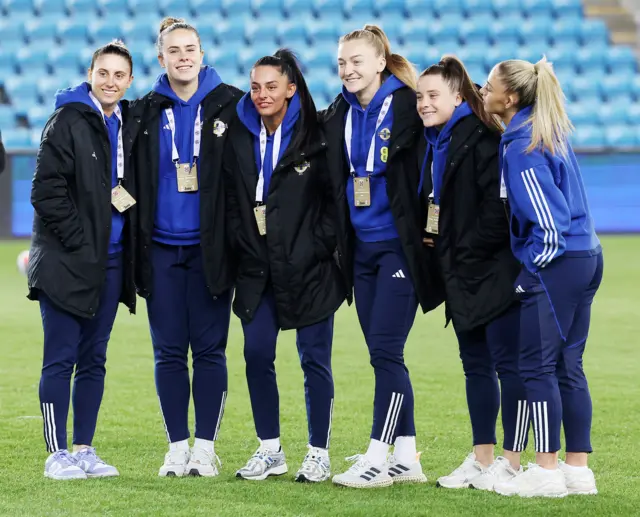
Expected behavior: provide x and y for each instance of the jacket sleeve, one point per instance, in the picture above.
(492, 225)
(50, 189)
(538, 204)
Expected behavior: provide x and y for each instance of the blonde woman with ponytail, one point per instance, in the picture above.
(467, 227)
(553, 237)
(372, 130)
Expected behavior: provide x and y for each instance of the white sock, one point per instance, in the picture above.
(405, 449)
(206, 445)
(319, 451)
(179, 446)
(273, 444)
(377, 452)
(577, 469)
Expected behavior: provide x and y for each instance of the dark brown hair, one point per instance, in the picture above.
(170, 24)
(454, 73)
(116, 48)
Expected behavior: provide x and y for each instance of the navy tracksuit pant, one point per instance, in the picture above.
(314, 348)
(386, 304)
(182, 312)
(73, 342)
(555, 317)
(485, 350)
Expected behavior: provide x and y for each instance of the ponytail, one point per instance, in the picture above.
(454, 73)
(287, 62)
(537, 86)
(396, 64)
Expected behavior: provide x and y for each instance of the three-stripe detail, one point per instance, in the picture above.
(370, 474)
(50, 430)
(397, 470)
(391, 421)
(545, 218)
(223, 402)
(522, 426)
(540, 425)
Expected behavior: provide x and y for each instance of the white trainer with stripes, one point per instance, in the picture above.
(464, 475)
(499, 471)
(535, 482)
(363, 474)
(403, 472)
(62, 466)
(579, 480)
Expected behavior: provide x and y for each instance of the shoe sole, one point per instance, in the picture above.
(276, 471)
(303, 479)
(440, 485)
(63, 478)
(110, 475)
(197, 472)
(378, 484)
(528, 496)
(472, 487)
(409, 479)
(171, 474)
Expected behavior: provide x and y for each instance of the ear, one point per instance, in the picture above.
(130, 81)
(512, 101)
(201, 56)
(382, 64)
(291, 90)
(458, 99)
(89, 75)
(161, 61)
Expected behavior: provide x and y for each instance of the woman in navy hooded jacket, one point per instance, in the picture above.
(184, 268)
(373, 129)
(81, 259)
(553, 237)
(468, 228)
(281, 219)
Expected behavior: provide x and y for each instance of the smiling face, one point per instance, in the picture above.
(360, 66)
(181, 55)
(270, 90)
(110, 77)
(435, 100)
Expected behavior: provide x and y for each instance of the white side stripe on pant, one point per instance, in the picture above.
(392, 417)
(545, 218)
(522, 426)
(50, 426)
(545, 417)
(541, 425)
(220, 415)
(525, 426)
(330, 423)
(536, 427)
(164, 421)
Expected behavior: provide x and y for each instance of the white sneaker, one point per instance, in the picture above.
(315, 468)
(264, 463)
(93, 466)
(61, 466)
(580, 481)
(499, 471)
(363, 474)
(406, 472)
(175, 464)
(535, 482)
(202, 463)
(463, 475)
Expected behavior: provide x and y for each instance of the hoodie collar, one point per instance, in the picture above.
(390, 85)
(75, 94)
(518, 127)
(249, 116)
(208, 80)
(437, 138)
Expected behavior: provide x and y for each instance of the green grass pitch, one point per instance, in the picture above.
(130, 433)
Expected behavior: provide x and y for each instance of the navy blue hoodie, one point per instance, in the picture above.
(177, 217)
(438, 144)
(248, 115)
(80, 94)
(372, 223)
(549, 209)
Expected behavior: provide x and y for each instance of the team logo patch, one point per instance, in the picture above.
(302, 167)
(385, 134)
(219, 127)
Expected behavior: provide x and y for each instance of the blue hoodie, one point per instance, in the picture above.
(372, 223)
(177, 217)
(80, 94)
(248, 115)
(549, 209)
(438, 143)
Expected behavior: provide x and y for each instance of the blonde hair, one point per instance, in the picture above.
(537, 86)
(170, 24)
(396, 64)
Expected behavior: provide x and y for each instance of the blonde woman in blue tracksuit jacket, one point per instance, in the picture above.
(553, 236)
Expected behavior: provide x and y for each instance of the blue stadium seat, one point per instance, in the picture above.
(83, 7)
(258, 33)
(359, 9)
(38, 116)
(291, 34)
(41, 29)
(230, 33)
(612, 113)
(617, 87)
(248, 56)
(138, 33)
(110, 7)
(22, 91)
(620, 136)
(445, 29)
(580, 114)
(621, 58)
(103, 31)
(7, 63)
(7, 117)
(633, 113)
(73, 31)
(175, 8)
(267, 8)
(475, 32)
(535, 32)
(328, 9)
(321, 60)
(200, 7)
(445, 8)
(416, 32)
(568, 9)
(297, 9)
(593, 57)
(150, 60)
(222, 59)
(586, 87)
(17, 138)
(501, 7)
(635, 87)
(235, 7)
(23, 7)
(49, 7)
(146, 7)
(537, 7)
(11, 32)
(34, 59)
(472, 56)
(588, 136)
(419, 8)
(504, 34)
(323, 33)
(473, 8)
(593, 32)
(384, 8)
(565, 31)
(494, 55)
(65, 61)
